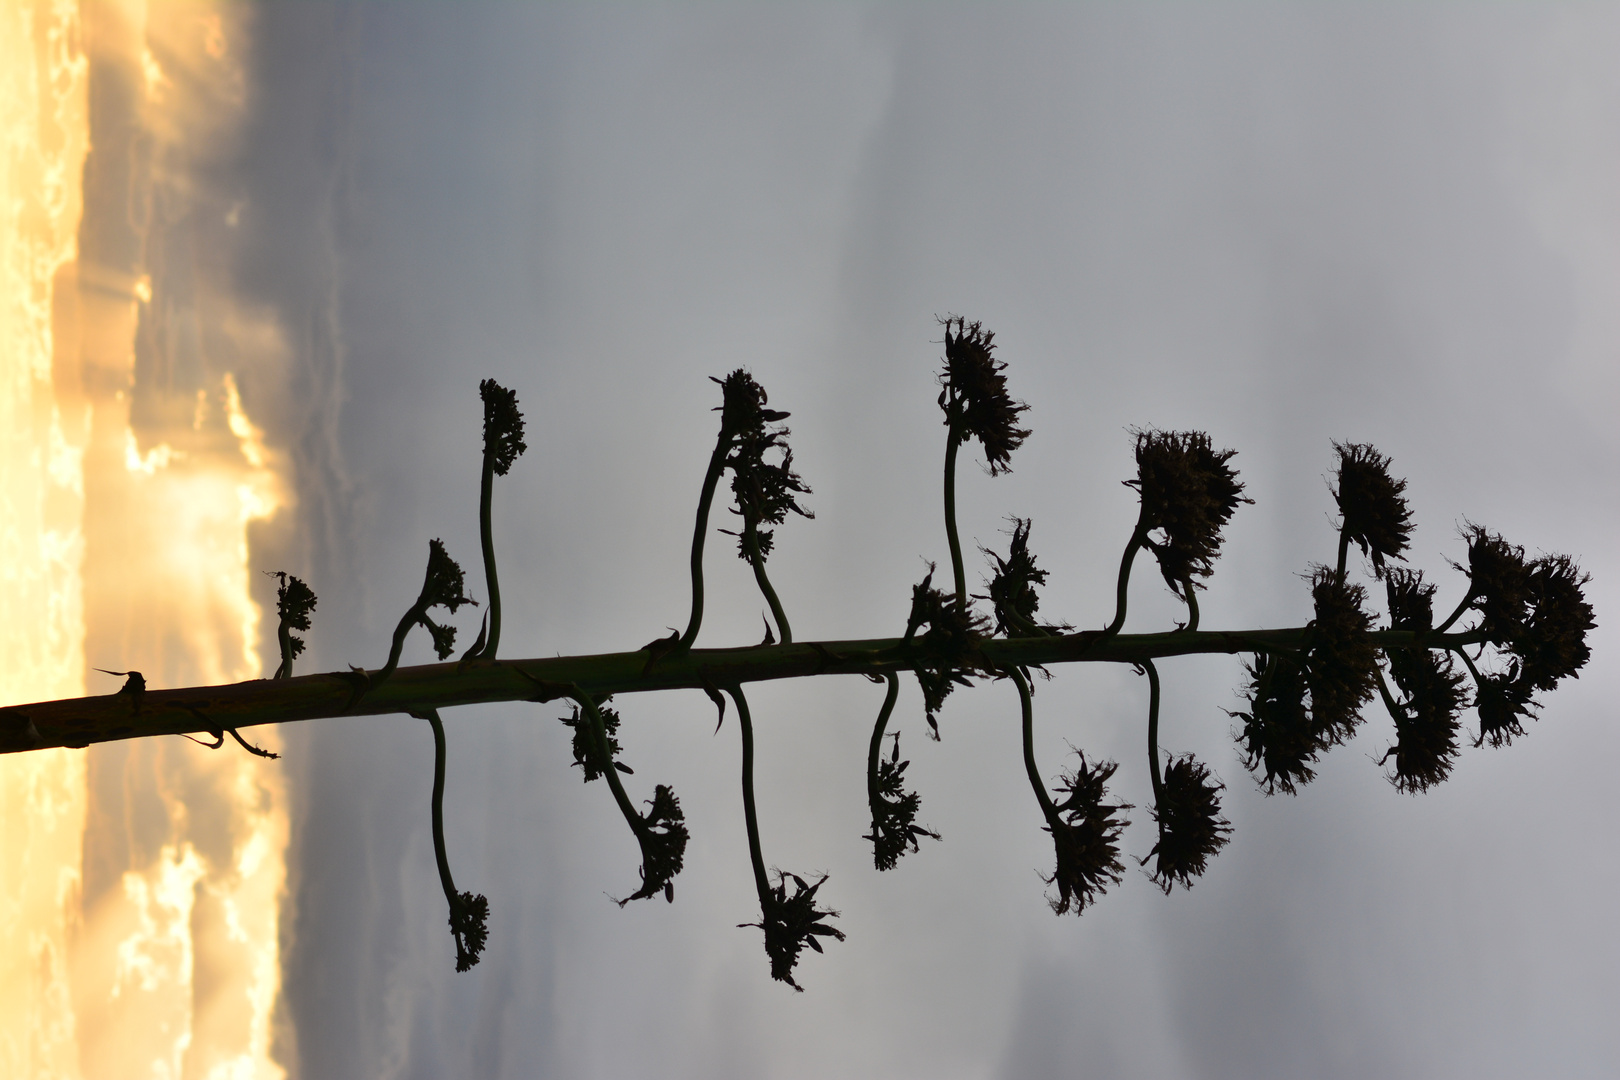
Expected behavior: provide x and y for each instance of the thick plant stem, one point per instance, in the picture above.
(784, 632)
(1153, 731)
(1344, 553)
(487, 535)
(717, 465)
(284, 638)
(750, 815)
(1035, 782)
(408, 620)
(78, 722)
(1461, 609)
(958, 575)
(468, 913)
(875, 751)
(1122, 588)
(450, 894)
(1192, 605)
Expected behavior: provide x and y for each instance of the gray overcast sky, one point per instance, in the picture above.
(1279, 224)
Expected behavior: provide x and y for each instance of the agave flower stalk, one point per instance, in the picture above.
(742, 408)
(1186, 806)
(1372, 508)
(894, 810)
(469, 914)
(503, 444)
(294, 603)
(1085, 831)
(661, 832)
(1188, 493)
(789, 921)
(765, 491)
(443, 585)
(976, 404)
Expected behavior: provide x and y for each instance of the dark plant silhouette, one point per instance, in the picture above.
(503, 444)
(442, 586)
(1519, 629)
(1374, 512)
(1012, 593)
(894, 809)
(469, 914)
(1188, 494)
(661, 831)
(586, 753)
(946, 651)
(790, 922)
(1186, 805)
(976, 406)
(765, 490)
(294, 604)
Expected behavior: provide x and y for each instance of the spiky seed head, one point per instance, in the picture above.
(1505, 702)
(743, 405)
(444, 583)
(1085, 835)
(1553, 645)
(1280, 743)
(1375, 513)
(662, 835)
(894, 813)
(1012, 587)
(1500, 580)
(1191, 828)
(1339, 662)
(1189, 492)
(975, 398)
(469, 917)
(1411, 600)
(791, 922)
(503, 426)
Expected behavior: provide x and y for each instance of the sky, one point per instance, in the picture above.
(1282, 225)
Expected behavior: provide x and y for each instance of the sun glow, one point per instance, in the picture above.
(140, 884)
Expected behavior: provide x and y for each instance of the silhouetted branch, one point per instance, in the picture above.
(469, 914)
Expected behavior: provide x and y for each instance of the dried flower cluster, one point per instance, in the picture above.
(894, 814)
(469, 916)
(1339, 662)
(1375, 513)
(662, 835)
(792, 922)
(1426, 723)
(1189, 493)
(765, 491)
(975, 398)
(742, 407)
(1085, 833)
(1191, 828)
(586, 756)
(294, 604)
(1012, 587)
(1534, 611)
(442, 586)
(1281, 735)
(503, 426)
(1279, 741)
(949, 647)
